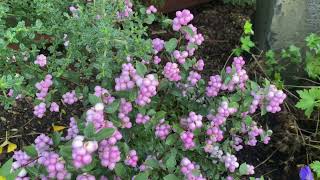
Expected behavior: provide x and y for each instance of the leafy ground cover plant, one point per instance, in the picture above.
(149, 113)
(304, 90)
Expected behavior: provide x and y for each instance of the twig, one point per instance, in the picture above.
(300, 86)
(317, 128)
(267, 158)
(307, 80)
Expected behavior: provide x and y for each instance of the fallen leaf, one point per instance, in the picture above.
(11, 147)
(58, 128)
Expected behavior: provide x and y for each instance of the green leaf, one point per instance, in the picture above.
(103, 134)
(120, 170)
(113, 107)
(248, 120)
(243, 169)
(13, 175)
(89, 130)
(309, 100)
(315, 166)
(171, 45)
(72, 76)
(142, 176)
(141, 68)
(133, 94)
(33, 171)
(248, 28)
(31, 151)
(150, 19)
(56, 138)
(66, 151)
(246, 43)
(171, 139)
(152, 163)
(188, 30)
(93, 99)
(6, 167)
(171, 162)
(170, 177)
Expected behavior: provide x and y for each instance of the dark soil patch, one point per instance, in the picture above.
(22, 127)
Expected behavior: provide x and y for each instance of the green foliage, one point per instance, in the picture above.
(240, 2)
(6, 173)
(315, 166)
(308, 100)
(95, 52)
(246, 43)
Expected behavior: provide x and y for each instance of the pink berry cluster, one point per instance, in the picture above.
(109, 155)
(127, 78)
(223, 112)
(151, 9)
(73, 130)
(194, 121)
(43, 143)
(156, 59)
(147, 89)
(82, 151)
(70, 97)
(237, 143)
(274, 99)
(55, 166)
(132, 158)
(54, 107)
(96, 116)
(193, 77)
(124, 110)
(21, 159)
(257, 99)
(238, 77)
(230, 162)
(104, 94)
(180, 56)
(85, 176)
(43, 86)
(182, 19)
(187, 169)
(214, 150)
(41, 60)
(39, 110)
(199, 66)
(158, 45)
(250, 169)
(253, 133)
(162, 130)
(142, 119)
(215, 133)
(172, 72)
(127, 10)
(116, 136)
(214, 86)
(187, 139)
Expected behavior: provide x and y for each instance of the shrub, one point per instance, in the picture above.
(150, 114)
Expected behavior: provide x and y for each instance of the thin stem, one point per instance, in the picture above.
(300, 86)
(307, 80)
(267, 158)
(317, 128)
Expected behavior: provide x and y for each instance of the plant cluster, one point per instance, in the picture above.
(150, 114)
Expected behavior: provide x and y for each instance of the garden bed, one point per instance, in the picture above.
(222, 27)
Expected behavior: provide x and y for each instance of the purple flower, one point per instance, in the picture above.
(305, 173)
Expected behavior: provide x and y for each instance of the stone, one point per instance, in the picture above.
(280, 23)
